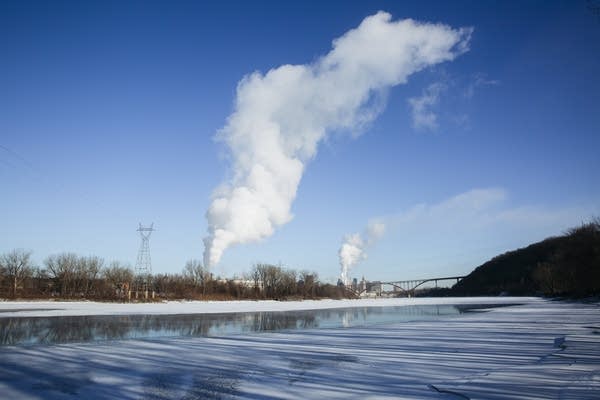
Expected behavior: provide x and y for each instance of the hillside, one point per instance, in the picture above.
(567, 265)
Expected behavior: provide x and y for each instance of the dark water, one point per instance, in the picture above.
(53, 330)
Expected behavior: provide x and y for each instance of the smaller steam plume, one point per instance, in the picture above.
(354, 246)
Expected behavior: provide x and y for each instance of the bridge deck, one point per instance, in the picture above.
(411, 285)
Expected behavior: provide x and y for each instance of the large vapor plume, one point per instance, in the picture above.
(280, 118)
(354, 246)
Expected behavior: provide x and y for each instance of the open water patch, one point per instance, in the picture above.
(56, 330)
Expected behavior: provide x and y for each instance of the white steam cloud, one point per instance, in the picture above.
(280, 118)
(353, 249)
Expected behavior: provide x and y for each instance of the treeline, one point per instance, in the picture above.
(567, 265)
(71, 276)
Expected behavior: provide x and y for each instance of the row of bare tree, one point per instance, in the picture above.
(68, 275)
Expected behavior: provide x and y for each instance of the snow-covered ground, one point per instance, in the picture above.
(63, 308)
(540, 349)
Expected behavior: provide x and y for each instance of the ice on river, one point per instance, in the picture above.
(79, 308)
(537, 350)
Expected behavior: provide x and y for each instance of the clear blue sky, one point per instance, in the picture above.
(108, 112)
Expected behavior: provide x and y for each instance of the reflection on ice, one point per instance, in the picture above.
(51, 330)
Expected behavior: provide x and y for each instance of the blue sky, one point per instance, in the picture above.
(108, 112)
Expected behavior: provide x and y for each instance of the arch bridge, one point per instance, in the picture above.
(407, 287)
(412, 285)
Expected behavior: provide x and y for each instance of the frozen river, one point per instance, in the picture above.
(533, 349)
(94, 328)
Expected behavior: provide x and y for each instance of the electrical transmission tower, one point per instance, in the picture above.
(143, 265)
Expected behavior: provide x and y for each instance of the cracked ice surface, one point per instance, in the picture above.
(537, 350)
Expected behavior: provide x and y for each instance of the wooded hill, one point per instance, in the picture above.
(567, 265)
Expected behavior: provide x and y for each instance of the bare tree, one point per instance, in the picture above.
(16, 266)
(62, 268)
(86, 273)
(170, 285)
(268, 277)
(119, 278)
(197, 274)
(276, 282)
(256, 277)
(308, 282)
(288, 283)
(546, 277)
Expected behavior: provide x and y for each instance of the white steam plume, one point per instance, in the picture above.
(280, 118)
(353, 249)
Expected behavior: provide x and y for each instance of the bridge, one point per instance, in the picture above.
(411, 286)
(407, 287)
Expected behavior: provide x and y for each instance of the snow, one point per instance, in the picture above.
(62, 308)
(537, 350)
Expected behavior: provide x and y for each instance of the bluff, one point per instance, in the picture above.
(567, 265)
